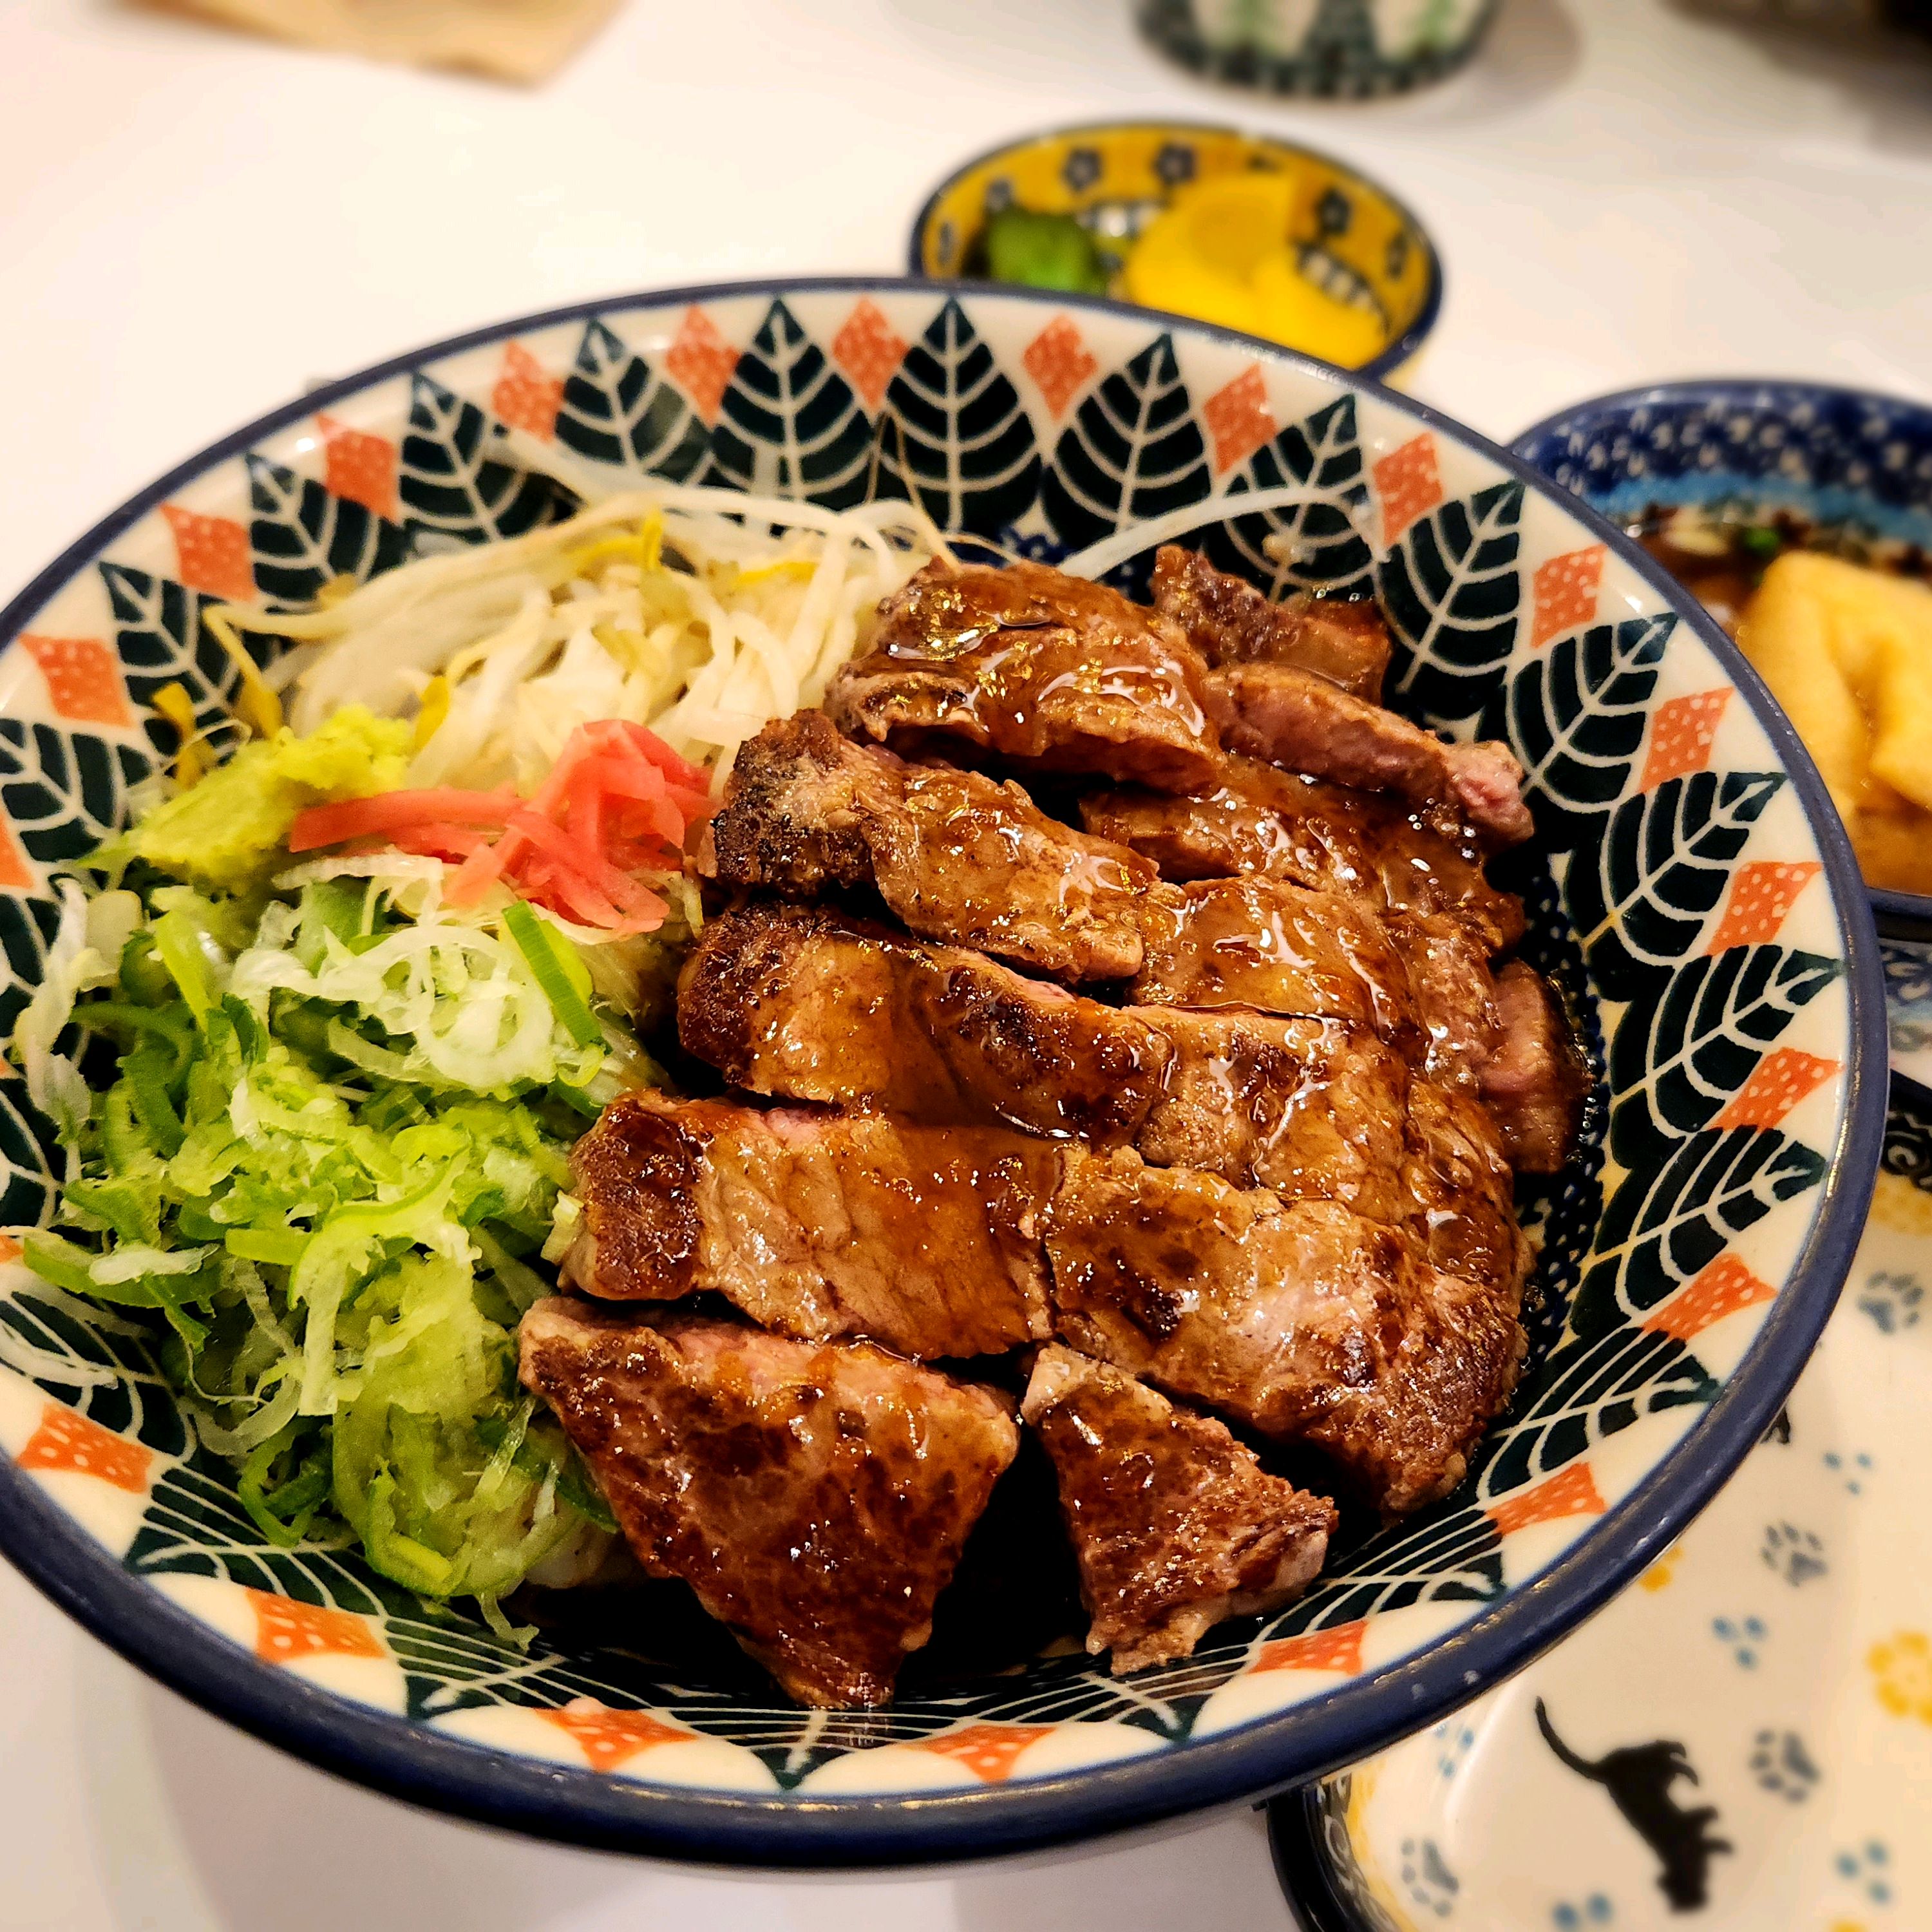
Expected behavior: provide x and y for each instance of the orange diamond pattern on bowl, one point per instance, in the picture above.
(211, 554)
(1239, 419)
(988, 1751)
(1563, 592)
(608, 1737)
(1409, 484)
(527, 396)
(16, 874)
(358, 467)
(1761, 893)
(1681, 736)
(1570, 1491)
(1339, 1649)
(83, 678)
(1777, 1083)
(701, 361)
(68, 1440)
(869, 350)
(287, 1631)
(1719, 1289)
(1060, 362)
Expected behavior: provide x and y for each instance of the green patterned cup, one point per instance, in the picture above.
(1347, 49)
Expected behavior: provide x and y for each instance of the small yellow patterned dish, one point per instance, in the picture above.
(1346, 237)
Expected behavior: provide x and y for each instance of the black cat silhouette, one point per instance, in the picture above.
(1638, 1778)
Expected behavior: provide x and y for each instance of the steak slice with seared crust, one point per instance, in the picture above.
(1389, 851)
(1228, 621)
(954, 854)
(816, 1497)
(805, 1004)
(1034, 666)
(1175, 1524)
(1304, 1107)
(1298, 1318)
(1454, 990)
(1277, 946)
(1304, 723)
(1535, 1082)
(1458, 1194)
(926, 1239)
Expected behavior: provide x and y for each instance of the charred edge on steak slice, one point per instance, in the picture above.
(1228, 621)
(1175, 1524)
(818, 1226)
(957, 855)
(816, 1497)
(1298, 1319)
(806, 1004)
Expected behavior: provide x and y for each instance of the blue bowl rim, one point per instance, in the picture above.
(1380, 364)
(441, 1772)
(1905, 915)
(1304, 1863)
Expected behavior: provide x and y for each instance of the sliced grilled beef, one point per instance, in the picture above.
(954, 855)
(815, 1497)
(924, 1238)
(1453, 991)
(1299, 1319)
(1230, 622)
(1457, 1193)
(1047, 670)
(1175, 1524)
(1535, 1082)
(804, 1004)
(1277, 946)
(1303, 723)
(1305, 1107)
(1387, 850)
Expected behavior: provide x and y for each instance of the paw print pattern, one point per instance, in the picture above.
(1594, 1910)
(1902, 1667)
(1453, 1742)
(1892, 1301)
(1796, 1554)
(1744, 1636)
(1782, 1765)
(1851, 1470)
(1432, 1885)
(1868, 1867)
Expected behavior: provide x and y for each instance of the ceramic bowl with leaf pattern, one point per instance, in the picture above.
(1690, 887)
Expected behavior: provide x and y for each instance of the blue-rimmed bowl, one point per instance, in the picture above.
(1845, 459)
(1690, 886)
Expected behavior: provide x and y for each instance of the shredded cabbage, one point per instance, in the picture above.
(324, 1139)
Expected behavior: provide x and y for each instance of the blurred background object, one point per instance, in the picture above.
(1262, 236)
(1830, 16)
(1350, 49)
(508, 39)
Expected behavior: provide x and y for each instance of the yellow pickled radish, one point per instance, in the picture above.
(1294, 310)
(1221, 252)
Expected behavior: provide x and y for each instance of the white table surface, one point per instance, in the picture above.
(192, 225)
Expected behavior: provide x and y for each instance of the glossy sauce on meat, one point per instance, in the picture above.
(1038, 668)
